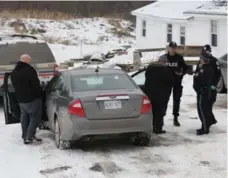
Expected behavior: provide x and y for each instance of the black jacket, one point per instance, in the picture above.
(216, 69)
(176, 63)
(203, 78)
(159, 82)
(26, 83)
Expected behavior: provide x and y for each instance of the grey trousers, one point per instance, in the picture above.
(31, 114)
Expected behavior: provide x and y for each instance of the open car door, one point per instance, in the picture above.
(10, 104)
(139, 78)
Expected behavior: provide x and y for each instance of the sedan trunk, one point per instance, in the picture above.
(111, 104)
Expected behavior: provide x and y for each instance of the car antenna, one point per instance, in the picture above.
(97, 70)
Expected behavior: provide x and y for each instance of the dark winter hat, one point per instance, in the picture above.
(162, 59)
(172, 44)
(205, 56)
(206, 47)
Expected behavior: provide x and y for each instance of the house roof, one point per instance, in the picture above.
(214, 7)
(182, 10)
(168, 9)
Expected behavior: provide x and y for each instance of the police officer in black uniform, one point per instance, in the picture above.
(203, 80)
(176, 62)
(158, 86)
(216, 77)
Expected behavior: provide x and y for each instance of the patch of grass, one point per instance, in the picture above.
(36, 14)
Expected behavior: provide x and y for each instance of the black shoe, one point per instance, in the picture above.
(176, 122)
(198, 130)
(28, 141)
(160, 132)
(37, 139)
(202, 132)
(213, 122)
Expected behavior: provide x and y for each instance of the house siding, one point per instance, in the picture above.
(198, 32)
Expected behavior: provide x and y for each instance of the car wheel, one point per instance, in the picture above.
(60, 143)
(141, 140)
(221, 85)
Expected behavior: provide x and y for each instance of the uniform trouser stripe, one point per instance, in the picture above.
(201, 111)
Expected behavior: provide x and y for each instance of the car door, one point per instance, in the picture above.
(10, 104)
(53, 93)
(223, 64)
(139, 78)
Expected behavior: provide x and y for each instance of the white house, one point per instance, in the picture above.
(185, 22)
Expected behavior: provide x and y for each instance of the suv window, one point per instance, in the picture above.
(40, 52)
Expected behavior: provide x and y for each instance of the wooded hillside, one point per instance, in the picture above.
(78, 8)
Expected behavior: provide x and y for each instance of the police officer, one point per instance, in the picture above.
(158, 85)
(203, 80)
(176, 62)
(216, 77)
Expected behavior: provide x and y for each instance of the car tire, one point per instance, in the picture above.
(221, 86)
(141, 140)
(60, 143)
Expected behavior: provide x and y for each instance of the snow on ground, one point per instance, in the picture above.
(177, 154)
(81, 30)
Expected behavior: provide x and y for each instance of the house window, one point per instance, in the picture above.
(169, 32)
(143, 28)
(214, 33)
(182, 35)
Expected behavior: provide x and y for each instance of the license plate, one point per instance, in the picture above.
(115, 104)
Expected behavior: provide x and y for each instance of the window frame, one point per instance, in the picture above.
(143, 32)
(182, 34)
(168, 33)
(214, 33)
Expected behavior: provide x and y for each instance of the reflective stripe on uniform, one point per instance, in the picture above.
(201, 110)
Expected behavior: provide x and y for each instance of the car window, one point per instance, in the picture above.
(139, 78)
(224, 57)
(58, 84)
(101, 82)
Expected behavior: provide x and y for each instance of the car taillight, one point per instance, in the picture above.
(76, 109)
(56, 68)
(146, 105)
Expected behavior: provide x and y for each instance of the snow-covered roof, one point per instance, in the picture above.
(214, 7)
(168, 9)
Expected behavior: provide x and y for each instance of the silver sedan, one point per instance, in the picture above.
(85, 104)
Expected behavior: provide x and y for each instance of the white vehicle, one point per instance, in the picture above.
(12, 47)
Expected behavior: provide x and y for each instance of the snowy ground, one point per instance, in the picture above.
(177, 154)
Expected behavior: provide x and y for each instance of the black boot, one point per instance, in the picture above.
(202, 132)
(176, 122)
(37, 139)
(160, 131)
(198, 130)
(28, 141)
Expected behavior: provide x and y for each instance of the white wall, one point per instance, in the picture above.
(154, 34)
(197, 33)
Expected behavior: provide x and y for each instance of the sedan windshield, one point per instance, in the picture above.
(91, 82)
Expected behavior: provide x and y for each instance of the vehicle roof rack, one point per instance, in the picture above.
(24, 36)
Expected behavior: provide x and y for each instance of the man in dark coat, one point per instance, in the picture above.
(203, 80)
(158, 85)
(28, 93)
(216, 77)
(176, 62)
